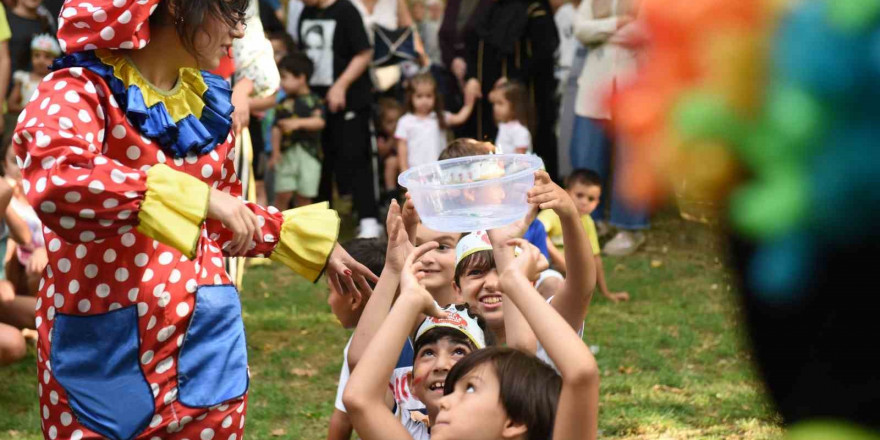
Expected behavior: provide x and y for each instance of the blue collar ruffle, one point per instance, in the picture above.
(177, 134)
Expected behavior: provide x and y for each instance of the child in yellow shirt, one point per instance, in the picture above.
(585, 188)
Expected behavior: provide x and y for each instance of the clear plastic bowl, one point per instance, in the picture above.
(472, 193)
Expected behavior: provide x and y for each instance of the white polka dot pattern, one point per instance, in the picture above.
(88, 188)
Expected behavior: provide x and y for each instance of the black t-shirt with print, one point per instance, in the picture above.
(331, 37)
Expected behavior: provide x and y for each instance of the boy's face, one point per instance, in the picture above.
(311, 3)
(438, 264)
(474, 406)
(345, 306)
(586, 197)
(292, 84)
(430, 367)
(30, 4)
(279, 48)
(481, 290)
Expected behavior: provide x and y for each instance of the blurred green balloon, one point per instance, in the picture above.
(853, 15)
(795, 114)
(771, 205)
(702, 116)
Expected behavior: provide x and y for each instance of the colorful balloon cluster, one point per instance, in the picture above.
(767, 107)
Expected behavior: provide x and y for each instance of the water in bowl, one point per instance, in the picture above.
(474, 219)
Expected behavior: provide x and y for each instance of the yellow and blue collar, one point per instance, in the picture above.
(195, 116)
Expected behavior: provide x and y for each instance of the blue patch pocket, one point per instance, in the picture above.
(95, 359)
(213, 359)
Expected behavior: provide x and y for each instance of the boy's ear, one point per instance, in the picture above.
(356, 301)
(514, 430)
(457, 290)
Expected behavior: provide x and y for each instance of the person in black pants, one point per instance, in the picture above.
(332, 35)
(516, 40)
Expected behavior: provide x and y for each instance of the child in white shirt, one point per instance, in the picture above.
(511, 111)
(421, 132)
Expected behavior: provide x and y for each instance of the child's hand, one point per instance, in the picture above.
(548, 195)
(410, 281)
(500, 236)
(529, 263)
(274, 159)
(399, 246)
(617, 297)
(472, 91)
(289, 125)
(410, 218)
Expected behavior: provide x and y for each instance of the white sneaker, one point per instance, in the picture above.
(624, 243)
(369, 228)
(602, 228)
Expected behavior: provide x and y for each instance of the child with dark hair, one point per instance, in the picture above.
(348, 306)
(421, 132)
(510, 107)
(282, 45)
(477, 277)
(585, 188)
(390, 112)
(296, 135)
(535, 402)
(463, 147)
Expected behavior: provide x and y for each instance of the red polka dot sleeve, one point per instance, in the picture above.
(77, 191)
(300, 238)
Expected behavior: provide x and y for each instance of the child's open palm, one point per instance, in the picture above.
(548, 195)
(411, 281)
(399, 246)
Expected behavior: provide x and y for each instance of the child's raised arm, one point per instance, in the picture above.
(471, 92)
(578, 407)
(517, 331)
(383, 295)
(364, 395)
(574, 297)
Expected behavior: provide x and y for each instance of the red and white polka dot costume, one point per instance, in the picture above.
(140, 333)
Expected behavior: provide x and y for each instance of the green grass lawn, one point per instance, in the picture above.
(673, 360)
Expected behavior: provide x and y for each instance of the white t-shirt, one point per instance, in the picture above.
(564, 18)
(425, 140)
(512, 135)
(541, 353)
(418, 430)
(343, 377)
(397, 382)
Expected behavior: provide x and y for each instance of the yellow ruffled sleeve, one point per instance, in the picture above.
(308, 236)
(174, 208)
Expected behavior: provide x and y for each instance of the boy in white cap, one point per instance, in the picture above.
(440, 341)
(476, 278)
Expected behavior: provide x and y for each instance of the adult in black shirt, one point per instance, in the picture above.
(332, 34)
(517, 40)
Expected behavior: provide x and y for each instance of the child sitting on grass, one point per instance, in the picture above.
(465, 386)
(585, 188)
(296, 135)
